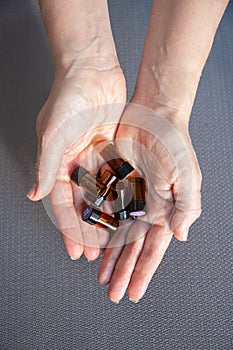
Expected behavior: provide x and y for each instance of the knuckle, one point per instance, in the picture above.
(198, 212)
(43, 141)
(153, 250)
(133, 248)
(196, 178)
(37, 166)
(39, 125)
(197, 174)
(195, 213)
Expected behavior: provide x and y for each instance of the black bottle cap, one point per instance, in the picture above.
(78, 173)
(124, 170)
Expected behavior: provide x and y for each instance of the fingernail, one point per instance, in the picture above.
(184, 234)
(134, 301)
(105, 277)
(32, 191)
(103, 282)
(73, 258)
(115, 301)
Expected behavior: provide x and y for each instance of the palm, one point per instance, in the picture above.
(81, 111)
(162, 152)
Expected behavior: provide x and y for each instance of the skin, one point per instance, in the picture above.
(172, 62)
(171, 66)
(87, 75)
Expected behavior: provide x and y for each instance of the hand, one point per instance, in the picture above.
(84, 107)
(160, 146)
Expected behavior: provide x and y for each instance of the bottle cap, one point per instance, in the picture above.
(90, 215)
(94, 216)
(137, 208)
(78, 173)
(124, 170)
(114, 159)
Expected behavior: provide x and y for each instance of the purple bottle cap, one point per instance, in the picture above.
(86, 213)
(137, 213)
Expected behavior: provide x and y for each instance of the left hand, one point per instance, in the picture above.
(84, 107)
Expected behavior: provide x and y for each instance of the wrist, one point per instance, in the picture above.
(79, 31)
(95, 52)
(169, 91)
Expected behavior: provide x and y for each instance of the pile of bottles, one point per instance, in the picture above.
(121, 185)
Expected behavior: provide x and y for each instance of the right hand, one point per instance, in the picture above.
(83, 108)
(159, 144)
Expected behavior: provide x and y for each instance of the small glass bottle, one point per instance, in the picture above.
(121, 167)
(137, 204)
(123, 195)
(108, 180)
(96, 217)
(91, 184)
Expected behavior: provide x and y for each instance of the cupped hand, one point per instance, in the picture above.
(160, 147)
(83, 108)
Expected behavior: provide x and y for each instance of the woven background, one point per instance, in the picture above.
(48, 301)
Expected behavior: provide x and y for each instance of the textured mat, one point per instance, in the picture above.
(50, 302)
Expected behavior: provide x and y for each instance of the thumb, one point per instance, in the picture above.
(48, 162)
(187, 195)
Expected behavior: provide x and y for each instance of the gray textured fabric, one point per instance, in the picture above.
(50, 302)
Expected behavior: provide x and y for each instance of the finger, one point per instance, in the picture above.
(81, 232)
(91, 242)
(103, 238)
(48, 161)
(61, 200)
(89, 232)
(90, 246)
(187, 196)
(126, 262)
(74, 249)
(155, 246)
(111, 255)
